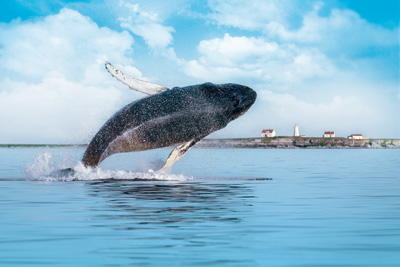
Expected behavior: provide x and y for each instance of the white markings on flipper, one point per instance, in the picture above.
(176, 155)
(135, 84)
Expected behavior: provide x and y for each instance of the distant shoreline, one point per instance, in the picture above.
(40, 145)
(280, 142)
(290, 142)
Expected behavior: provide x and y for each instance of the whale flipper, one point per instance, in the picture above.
(135, 84)
(176, 155)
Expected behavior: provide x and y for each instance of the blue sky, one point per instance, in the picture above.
(325, 65)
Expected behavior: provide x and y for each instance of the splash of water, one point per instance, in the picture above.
(45, 167)
(44, 163)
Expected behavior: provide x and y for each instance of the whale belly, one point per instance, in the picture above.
(164, 131)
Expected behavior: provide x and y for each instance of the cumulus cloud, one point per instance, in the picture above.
(342, 28)
(53, 85)
(302, 23)
(255, 15)
(146, 25)
(240, 58)
(346, 114)
(33, 49)
(54, 110)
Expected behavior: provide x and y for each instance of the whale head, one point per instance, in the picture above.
(234, 99)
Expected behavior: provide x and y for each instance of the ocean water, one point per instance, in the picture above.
(220, 207)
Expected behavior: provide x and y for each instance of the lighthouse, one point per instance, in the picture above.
(296, 130)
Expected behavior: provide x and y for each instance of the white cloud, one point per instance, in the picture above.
(147, 25)
(254, 15)
(342, 30)
(53, 84)
(236, 50)
(368, 112)
(54, 110)
(33, 49)
(239, 58)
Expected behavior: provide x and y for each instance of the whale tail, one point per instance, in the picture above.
(91, 157)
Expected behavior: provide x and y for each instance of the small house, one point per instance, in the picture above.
(357, 136)
(329, 134)
(268, 133)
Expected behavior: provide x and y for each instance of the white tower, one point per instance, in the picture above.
(296, 130)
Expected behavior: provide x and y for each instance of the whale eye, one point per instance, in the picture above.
(235, 100)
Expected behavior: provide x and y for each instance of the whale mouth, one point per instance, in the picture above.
(247, 98)
(250, 98)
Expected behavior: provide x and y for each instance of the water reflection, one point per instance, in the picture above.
(135, 204)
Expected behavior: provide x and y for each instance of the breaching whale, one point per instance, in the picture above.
(179, 116)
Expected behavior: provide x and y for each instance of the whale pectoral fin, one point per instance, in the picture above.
(176, 155)
(135, 84)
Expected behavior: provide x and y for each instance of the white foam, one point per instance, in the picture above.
(45, 165)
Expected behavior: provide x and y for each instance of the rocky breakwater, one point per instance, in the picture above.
(299, 142)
